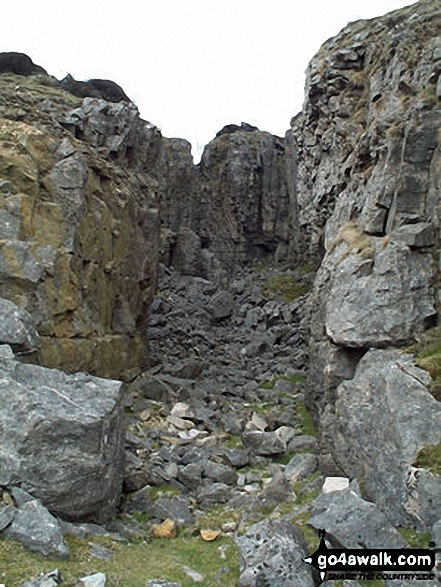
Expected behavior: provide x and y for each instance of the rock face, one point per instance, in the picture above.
(80, 232)
(62, 438)
(363, 174)
(243, 196)
(231, 208)
(384, 417)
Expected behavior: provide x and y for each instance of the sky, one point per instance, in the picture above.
(191, 66)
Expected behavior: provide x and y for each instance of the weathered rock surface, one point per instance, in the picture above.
(17, 328)
(384, 416)
(272, 553)
(78, 211)
(37, 530)
(363, 175)
(62, 438)
(352, 522)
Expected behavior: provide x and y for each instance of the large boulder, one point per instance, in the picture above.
(272, 553)
(384, 417)
(62, 438)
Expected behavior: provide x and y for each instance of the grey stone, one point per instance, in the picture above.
(301, 466)
(272, 553)
(263, 443)
(175, 508)
(35, 528)
(191, 475)
(221, 306)
(279, 490)
(381, 301)
(415, 235)
(379, 435)
(302, 442)
(352, 522)
(220, 473)
(57, 430)
(17, 328)
(7, 514)
(21, 496)
(214, 494)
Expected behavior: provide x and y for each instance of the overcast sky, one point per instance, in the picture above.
(191, 66)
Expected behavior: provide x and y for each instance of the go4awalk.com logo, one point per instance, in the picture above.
(373, 563)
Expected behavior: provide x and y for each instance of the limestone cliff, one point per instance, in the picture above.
(364, 174)
(78, 223)
(230, 209)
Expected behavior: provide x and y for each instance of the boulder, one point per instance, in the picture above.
(384, 417)
(35, 528)
(380, 301)
(272, 553)
(352, 522)
(62, 438)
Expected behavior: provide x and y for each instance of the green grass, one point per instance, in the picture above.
(429, 458)
(285, 287)
(415, 538)
(132, 565)
(294, 379)
(428, 357)
(307, 423)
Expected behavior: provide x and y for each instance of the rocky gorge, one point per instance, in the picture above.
(204, 365)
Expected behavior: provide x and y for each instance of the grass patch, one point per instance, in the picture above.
(428, 357)
(429, 458)
(294, 379)
(414, 538)
(285, 287)
(165, 490)
(306, 421)
(216, 516)
(132, 565)
(234, 441)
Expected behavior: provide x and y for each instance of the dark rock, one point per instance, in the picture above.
(17, 328)
(279, 490)
(214, 494)
(191, 476)
(219, 473)
(19, 63)
(35, 528)
(109, 90)
(237, 458)
(263, 443)
(272, 553)
(175, 508)
(352, 522)
(221, 306)
(139, 502)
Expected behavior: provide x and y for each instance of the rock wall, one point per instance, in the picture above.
(231, 208)
(364, 173)
(79, 227)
